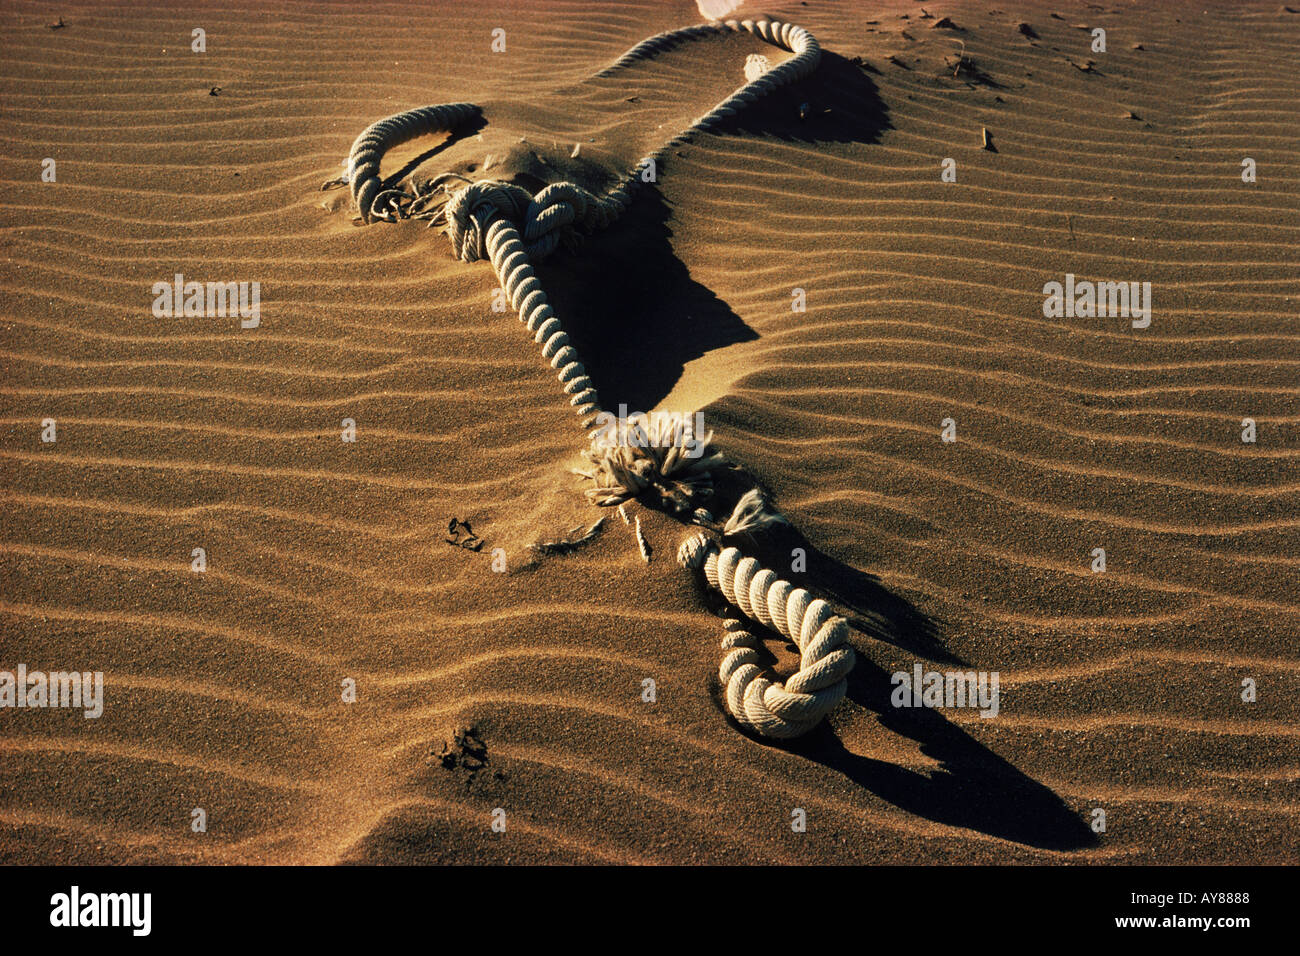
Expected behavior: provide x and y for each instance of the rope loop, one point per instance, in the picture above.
(768, 707)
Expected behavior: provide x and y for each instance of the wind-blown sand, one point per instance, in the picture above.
(328, 561)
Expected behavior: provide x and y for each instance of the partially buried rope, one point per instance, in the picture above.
(825, 658)
(514, 228)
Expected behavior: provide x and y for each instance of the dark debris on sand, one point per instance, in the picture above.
(465, 750)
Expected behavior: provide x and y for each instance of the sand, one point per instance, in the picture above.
(328, 562)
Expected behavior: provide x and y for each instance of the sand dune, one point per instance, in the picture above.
(329, 561)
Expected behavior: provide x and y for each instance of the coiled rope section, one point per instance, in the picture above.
(513, 228)
(825, 658)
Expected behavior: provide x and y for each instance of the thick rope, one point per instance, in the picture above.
(825, 658)
(512, 228)
(506, 250)
(539, 224)
(379, 138)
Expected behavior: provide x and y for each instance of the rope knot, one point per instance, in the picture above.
(543, 220)
(470, 210)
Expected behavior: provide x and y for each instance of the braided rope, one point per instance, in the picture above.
(539, 224)
(512, 228)
(510, 260)
(378, 138)
(825, 658)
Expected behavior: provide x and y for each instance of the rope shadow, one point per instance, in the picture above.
(466, 129)
(973, 788)
(843, 105)
(633, 310)
(665, 318)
